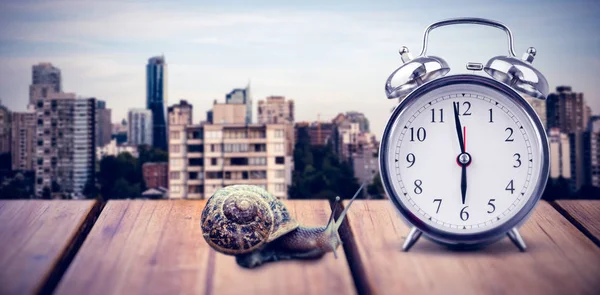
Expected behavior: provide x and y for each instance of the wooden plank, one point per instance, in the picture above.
(156, 247)
(324, 276)
(584, 214)
(559, 259)
(37, 239)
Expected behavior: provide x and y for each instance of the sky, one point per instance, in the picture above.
(328, 57)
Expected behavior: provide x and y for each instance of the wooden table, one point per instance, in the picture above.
(155, 247)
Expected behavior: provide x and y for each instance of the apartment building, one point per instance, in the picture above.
(64, 143)
(204, 158)
(23, 134)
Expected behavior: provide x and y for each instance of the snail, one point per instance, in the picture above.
(252, 224)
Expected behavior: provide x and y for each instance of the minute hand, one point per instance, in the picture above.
(458, 128)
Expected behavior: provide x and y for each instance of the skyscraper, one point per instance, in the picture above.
(156, 91)
(45, 79)
(241, 96)
(103, 124)
(23, 134)
(140, 127)
(539, 106)
(65, 144)
(560, 153)
(593, 158)
(5, 126)
(567, 110)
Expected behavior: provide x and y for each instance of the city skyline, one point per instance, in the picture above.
(336, 57)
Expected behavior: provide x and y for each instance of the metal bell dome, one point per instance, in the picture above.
(413, 73)
(519, 74)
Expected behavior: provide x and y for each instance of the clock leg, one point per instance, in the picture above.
(516, 238)
(411, 238)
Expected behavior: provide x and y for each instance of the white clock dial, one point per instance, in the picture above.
(502, 149)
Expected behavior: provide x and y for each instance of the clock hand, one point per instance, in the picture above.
(463, 183)
(458, 128)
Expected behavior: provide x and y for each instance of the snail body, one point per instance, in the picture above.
(250, 223)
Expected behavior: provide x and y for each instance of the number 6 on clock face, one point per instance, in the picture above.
(465, 157)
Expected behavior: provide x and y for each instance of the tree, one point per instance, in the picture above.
(375, 189)
(46, 193)
(319, 173)
(5, 162)
(90, 190)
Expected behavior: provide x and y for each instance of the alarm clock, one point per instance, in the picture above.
(464, 158)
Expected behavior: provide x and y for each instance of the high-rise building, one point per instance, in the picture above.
(140, 127)
(206, 157)
(180, 114)
(278, 110)
(103, 124)
(84, 142)
(156, 90)
(23, 134)
(45, 79)
(560, 154)
(567, 110)
(539, 106)
(65, 144)
(593, 158)
(5, 127)
(275, 110)
(241, 96)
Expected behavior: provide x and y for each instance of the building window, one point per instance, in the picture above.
(235, 147)
(279, 160)
(196, 162)
(175, 148)
(174, 175)
(214, 175)
(213, 161)
(278, 147)
(279, 173)
(279, 187)
(193, 175)
(174, 134)
(215, 147)
(195, 148)
(257, 161)
(278, 133)
(261, 174)
(175, 189)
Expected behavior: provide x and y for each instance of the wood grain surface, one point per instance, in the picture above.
(559, 259)
(35, 238)
(585, 214)
(156, 247)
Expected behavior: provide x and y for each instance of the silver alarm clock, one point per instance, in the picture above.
(464, 158)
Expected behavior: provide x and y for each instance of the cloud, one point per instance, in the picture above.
(331, 60)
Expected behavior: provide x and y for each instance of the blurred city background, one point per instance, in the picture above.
(175, 100)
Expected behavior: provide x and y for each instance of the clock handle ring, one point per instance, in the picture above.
(469, 20)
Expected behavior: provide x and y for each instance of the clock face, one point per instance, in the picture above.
(463, 158)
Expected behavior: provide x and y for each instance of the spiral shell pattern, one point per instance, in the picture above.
(239, 219)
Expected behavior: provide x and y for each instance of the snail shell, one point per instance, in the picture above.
(239, 219)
